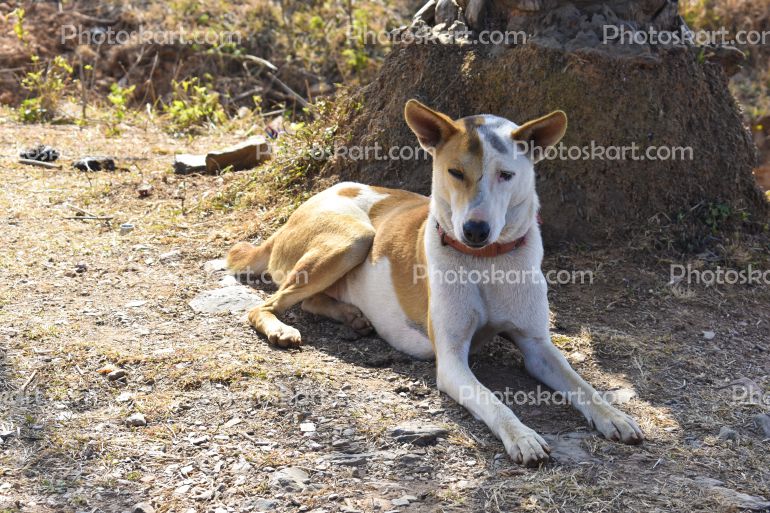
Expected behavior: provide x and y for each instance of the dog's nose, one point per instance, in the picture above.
(476, 232)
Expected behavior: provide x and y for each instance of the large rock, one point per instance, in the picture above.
(233, 299)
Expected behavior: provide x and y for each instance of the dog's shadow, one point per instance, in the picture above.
(498, 365)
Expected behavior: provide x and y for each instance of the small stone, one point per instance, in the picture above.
(762, 421)
(418, 434)
(212, 266)
(234, 299)
(182, 490)
(727, 433)
(569, 448)
(136, 420)
(144, 190)
(709, 335)
(117, 374)
(142, 507)
(198, 440)
(205, 495)
(232, 422)
(291, 479)
(261, 505)
(307, 427)
(171, 256)
(124, 397)
(399, 502)
(136, 303)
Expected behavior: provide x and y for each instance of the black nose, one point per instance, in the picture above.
(476, 232)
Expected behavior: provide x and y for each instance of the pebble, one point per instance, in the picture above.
(727, 433)
(232, 422)
(219, 264)
(136, 420)
(399, 502)
(291, 479)
(709, 335)
(762, 421)
(307, 427)
(182, 490)
(142, 507)
(418, 434)
(198, 440)
(116, 374)
(171, 256)
(124, 397)
(260, 504)
(233, 299)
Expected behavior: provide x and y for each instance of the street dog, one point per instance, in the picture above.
(373, 257)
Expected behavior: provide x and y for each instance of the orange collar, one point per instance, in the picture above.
(488, 251)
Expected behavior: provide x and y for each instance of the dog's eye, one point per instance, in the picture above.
(456, 173)
(506, 175)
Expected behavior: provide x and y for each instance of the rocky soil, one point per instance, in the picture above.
(130, 383)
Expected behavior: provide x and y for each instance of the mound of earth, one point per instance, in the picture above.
(668, 100)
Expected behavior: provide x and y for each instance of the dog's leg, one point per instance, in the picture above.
(318, 269)
(455, 378)
(545, 362)
(322, 304)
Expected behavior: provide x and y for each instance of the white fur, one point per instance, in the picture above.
(370, 288)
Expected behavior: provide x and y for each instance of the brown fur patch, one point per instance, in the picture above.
(349, 192)
(397, 219)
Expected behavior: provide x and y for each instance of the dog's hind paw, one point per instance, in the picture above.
(527, 448)
(356, 320)
(616, 425)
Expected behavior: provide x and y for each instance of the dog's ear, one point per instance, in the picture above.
(431, 128)
(540, 133)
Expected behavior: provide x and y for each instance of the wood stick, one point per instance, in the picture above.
(289, 90)
(90, 218)
(38, 163)
(29, 381)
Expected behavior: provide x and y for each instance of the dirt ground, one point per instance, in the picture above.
(223, 409)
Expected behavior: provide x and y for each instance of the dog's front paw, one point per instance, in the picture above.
(285, 336)
(616, 425)
(526, 447)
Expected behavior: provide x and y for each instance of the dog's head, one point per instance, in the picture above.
(483, 170)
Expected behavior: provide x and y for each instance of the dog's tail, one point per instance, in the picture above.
(246, 259)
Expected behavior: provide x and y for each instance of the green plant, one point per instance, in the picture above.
(193, 105)
(118, 97)
(18, 25)
(716, 214)
(46, 84)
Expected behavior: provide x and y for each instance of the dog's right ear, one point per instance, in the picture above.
(432, 128)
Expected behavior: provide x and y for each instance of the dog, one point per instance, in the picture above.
(376, 257)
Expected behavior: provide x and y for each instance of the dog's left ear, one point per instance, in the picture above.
(541, 133)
